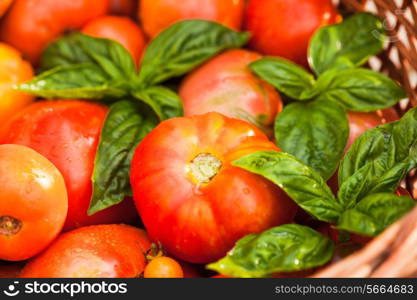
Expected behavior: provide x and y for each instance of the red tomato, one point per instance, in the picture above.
(191, 198)
(157, 15)
(33, 202)
(226, 85)
(284, 27)
(123, 7)
(119, 29)
(4, 5)
(163, 267)
(30, 26)
(112, 251)
(67, 133)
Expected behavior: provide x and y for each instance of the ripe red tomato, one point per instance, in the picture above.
(33, 202)
(163, 267)
(157, 15)
(191, 198)
(284, 27)
(4, 5)
(30, 26)
(119, 29)
(123, 7)
(113, 251)
(67, 133)
(226, 85)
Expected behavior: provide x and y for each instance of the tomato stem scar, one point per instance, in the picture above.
(9, 226)
(204, 167)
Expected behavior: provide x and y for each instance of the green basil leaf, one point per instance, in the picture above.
(184, 46)
(289, 78)
(359, 89)
(82, 81)
(375, 213)
(316, 132)
(285, 248)
(77, 48)
(348, 44)
(165, 102)
(126, 124)
(306, 187)
(378, 160)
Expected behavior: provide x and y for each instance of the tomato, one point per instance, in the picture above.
(123, 7)
(4, 5)
(67, 133)
(163, 267)
(191, 198)
(226, 85)
(157, 15)
(112, 251)
(30, 25)
(284, 27)
(119, 29)
(13, 70)
(33, 202)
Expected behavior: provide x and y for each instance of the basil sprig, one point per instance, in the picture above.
(285, 248)
(84, 67)
(336, 53)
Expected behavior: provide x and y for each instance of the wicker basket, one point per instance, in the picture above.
(394, 252)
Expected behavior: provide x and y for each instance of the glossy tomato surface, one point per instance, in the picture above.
(226, 85)
(113, 251)
(67, 133)
(31, 25)
(157, 15)
(119, 29)
(189, 195)
(284, 27)
(13, 70)
(163, 267)
(33, 202)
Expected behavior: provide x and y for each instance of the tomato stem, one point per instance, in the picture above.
(9, 225)
(204, 167)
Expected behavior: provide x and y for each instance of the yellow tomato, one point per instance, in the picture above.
(13, 70)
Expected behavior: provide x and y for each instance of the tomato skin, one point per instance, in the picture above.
(30, 26)
(163, 267)
(199, 222)
(67, 133)
(111, 251)
(226, 85)
(123, 7)
(284, 27)
(13, 70)
(119, 29)
(157, 15)
(4, 5)
(33, 199)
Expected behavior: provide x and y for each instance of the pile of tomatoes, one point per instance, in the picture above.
(192, 201)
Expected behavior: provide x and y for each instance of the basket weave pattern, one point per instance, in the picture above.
(394, 252)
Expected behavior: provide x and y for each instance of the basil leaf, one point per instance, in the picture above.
(286, 248)
(315, 132)
(184, 46)
(82, 81)
(348, 44)
(165, 103)
(306, 187)
(125, 126)
(359, 89)
(287, 77)
(375, 213)
(77, 48)
(378, 160)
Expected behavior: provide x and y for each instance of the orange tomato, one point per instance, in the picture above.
(4, 5)
(119, 29)
(30, 25)
(157, 15)
(13, 70)
(163, 267)
(112, 251)
(33, 202)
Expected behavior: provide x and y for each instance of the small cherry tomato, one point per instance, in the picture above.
(191, 198)
(163, 267)
(119, 29)
(113, 251)
(33, 202)
(157, 15)
(226, 85)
